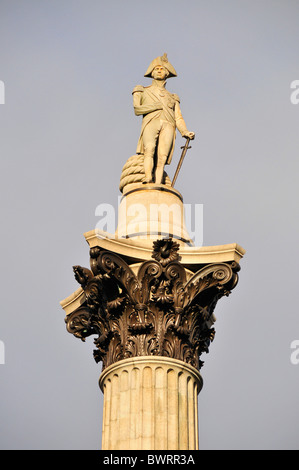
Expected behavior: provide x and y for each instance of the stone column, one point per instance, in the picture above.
(150, 403)
(152, 316)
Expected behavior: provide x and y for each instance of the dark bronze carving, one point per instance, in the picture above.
(161, 310)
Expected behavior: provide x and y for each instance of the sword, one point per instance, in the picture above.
(185, 148)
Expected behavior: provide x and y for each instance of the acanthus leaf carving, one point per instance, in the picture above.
(153, 312)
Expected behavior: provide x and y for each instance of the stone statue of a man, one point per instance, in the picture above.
(161, 117)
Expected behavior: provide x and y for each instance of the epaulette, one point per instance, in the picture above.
(138, 88)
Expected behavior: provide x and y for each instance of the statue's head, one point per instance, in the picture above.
(160, 73)
(157, 65)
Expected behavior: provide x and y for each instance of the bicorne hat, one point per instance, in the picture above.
(161, 61)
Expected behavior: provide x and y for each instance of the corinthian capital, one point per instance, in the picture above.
(158, 309)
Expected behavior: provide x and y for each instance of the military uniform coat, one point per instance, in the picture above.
(145, 103)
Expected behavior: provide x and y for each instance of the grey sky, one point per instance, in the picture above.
(68, 126)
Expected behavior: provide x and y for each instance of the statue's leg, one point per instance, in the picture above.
(164, 149)
(150, 136)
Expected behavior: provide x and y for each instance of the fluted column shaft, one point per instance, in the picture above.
(150, 403)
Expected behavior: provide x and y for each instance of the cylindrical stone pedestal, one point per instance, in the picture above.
(148, 211)
(150, 403)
